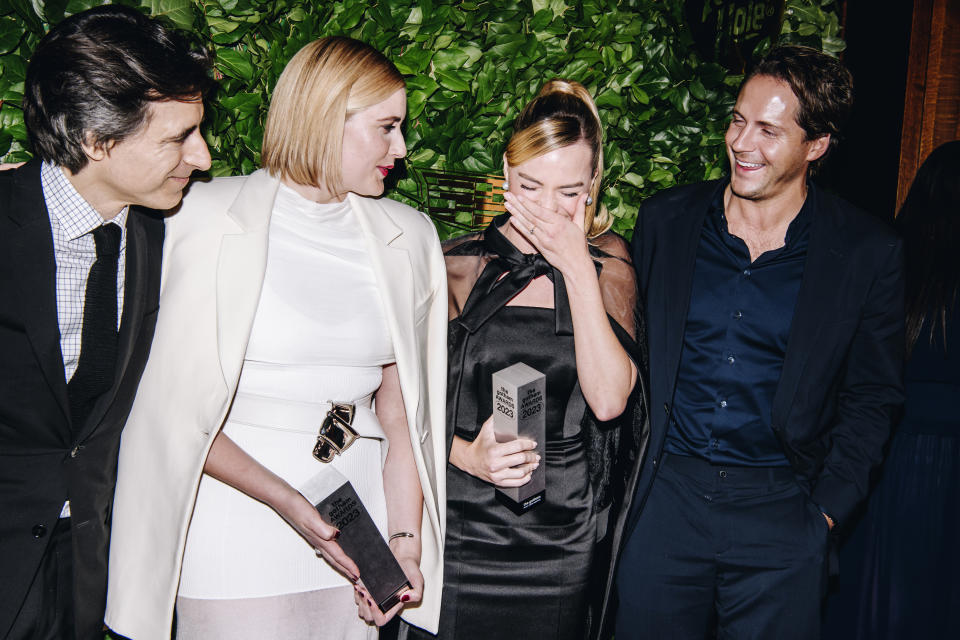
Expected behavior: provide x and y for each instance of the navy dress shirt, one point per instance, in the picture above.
(734, 344)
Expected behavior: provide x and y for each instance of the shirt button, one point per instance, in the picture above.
(746, 272)
(723, 474)
(737, 315)
(39, 531)
(723, 404)
(731, 359)
(74, 452)
(714, 444)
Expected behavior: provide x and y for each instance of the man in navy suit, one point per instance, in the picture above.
(775, 321)
(112, 107)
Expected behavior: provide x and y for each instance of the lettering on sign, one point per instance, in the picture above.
(727, 31)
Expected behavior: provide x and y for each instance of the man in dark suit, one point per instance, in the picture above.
(775, 321)
(113, 102)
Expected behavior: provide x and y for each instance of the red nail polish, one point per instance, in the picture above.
(405, 598)
(336, 535)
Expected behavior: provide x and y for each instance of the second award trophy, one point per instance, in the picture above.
(519, 411)
(339, 505)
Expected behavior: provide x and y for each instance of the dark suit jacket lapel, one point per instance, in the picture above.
(134, 305)
(825, 260)
(32, 247)
(681, 238)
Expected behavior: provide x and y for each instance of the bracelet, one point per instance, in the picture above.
(400, 534)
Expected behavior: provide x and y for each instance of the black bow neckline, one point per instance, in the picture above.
(492, 292)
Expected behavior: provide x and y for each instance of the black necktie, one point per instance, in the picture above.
(98, 338)
(491, 291)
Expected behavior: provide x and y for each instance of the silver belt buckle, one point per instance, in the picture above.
(336, 432)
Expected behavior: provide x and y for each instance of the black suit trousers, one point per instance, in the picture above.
(726, 552)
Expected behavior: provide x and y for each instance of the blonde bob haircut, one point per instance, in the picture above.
(325, 83)
(562, 114)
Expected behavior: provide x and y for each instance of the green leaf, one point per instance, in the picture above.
(633, 179)
(660, 175)
(419, 90)
(10, 34)
(76, 6)
(833, 45)
(442, 42)
(13, 93)
(507, 45)
(423, 156)
(640, 95)
(609, 99)
(680, 97)
(453, 79)
(244, 103)
(414, 60)
(234, 63)
(350, 16)
(180, 12)
(422, 83)
(452, 58)
(541, 19)
(230, 33)
(697, 90)
(222, 25)
(473, 52)
(575, 69)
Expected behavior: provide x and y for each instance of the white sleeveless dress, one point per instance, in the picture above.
(320, 334)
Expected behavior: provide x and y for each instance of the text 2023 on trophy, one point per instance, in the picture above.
(520, 411)
(339, 505)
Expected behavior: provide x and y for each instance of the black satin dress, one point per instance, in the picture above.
(505, 575)
(545, 574)
(526, 576)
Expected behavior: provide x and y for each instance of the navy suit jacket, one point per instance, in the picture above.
(842, 379)
(44, 458)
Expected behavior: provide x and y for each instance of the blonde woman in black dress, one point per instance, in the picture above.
(548, 285)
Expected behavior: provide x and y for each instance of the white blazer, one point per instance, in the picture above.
(214, 259)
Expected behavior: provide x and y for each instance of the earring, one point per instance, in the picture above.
(589, 201)
(506, 186)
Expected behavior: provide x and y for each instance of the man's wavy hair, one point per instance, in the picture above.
(823, 86)
(92, 78)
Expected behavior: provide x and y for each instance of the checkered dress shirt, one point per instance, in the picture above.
(72, 220)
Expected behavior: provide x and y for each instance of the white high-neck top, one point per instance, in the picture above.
(320, 334)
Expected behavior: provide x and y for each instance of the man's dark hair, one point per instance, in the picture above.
(823, 86)
(94, 76)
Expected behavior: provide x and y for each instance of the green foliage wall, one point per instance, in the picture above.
(470, 65)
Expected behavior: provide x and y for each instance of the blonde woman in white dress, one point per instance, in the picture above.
(283, 291)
